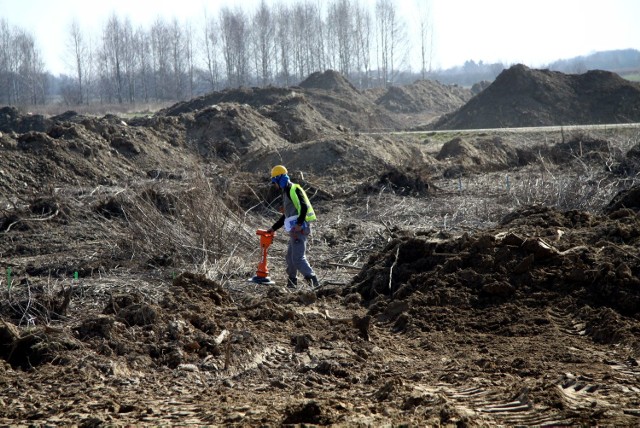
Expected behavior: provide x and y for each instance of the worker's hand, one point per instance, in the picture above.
(296, 228)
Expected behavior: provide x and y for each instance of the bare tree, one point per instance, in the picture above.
(129, 59)
(339, 19)
(178, 60)
(111, 58)
(161, 53)
(7, 63)
(391, 41)
(284, 49)
(78, 49)
(211, 46)
(263, 31)
(363, 31)
(145, 67)
(189, 58)
(30, 89)
(234, 32)
(425, 23)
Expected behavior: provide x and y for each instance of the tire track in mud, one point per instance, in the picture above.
(489, 406)
(612, 384)
(615, 388)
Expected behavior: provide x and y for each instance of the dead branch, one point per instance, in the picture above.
(32, 219)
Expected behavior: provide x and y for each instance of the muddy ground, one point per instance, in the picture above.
(467, 279)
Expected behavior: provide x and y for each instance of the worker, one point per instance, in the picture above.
(296, 218)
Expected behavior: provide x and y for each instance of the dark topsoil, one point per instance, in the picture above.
(533, 320)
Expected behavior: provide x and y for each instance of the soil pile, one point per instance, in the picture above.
(342, 157)
(521, 96)
(537, 258)
(323, 101)
(341, 103)
(89, 152)
(424, 96)
(480, 155)
(329, 80)
(12, 121)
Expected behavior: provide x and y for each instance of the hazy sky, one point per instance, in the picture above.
(510, 31)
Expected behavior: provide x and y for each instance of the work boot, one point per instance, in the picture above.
(312, 281)
(292, 283)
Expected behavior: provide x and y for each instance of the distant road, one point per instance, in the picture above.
(522, 129)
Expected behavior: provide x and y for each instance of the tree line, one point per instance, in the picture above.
(276, 44)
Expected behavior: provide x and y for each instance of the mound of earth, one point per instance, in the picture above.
(626, 199)
(298, 120)
(406, 182)
(424, 96)
(255, 97)
(537, 258)
(229, 131)
(322, 102)
(341, 103)
(329, 80)
(521, 96)
(89, 152)
(12, 121)
(480, 155)
(339, 157)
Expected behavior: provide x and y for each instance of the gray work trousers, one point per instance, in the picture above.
(296, 254)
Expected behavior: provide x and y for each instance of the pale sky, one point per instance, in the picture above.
(534, 33)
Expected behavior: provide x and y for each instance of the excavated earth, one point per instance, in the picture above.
(467, 279)
(521, 96)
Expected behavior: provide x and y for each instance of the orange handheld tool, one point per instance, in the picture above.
(262, 273)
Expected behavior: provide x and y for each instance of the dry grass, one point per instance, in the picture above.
(189, 224)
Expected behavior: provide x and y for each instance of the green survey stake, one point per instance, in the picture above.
(75, 275)
(9, 278)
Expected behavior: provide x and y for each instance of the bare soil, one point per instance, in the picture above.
(521, 96)
(466, 279)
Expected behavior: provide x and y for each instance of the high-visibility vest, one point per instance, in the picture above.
(311, 215)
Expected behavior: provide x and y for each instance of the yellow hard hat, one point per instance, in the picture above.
(278, 170)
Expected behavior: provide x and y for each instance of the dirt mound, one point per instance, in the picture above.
(91, 151)
(521, 96)
(328, 80)
(407, 182)
(352, 158)
(229, 130)
(424, 96)
(298, 120)
(11, 120)
(172, 331)
(255, 97)
(326, 96)
(479, 155)
(535, 259)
